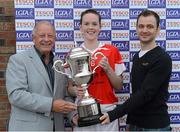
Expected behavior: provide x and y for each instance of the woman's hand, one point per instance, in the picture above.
(105, 64)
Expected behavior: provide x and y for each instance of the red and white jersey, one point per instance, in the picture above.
(100, 87)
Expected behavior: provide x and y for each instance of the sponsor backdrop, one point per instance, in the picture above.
(118, 28)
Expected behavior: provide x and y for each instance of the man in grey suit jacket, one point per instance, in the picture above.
(38, 95)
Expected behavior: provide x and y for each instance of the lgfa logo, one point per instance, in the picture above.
(175, 118)
(24, 13)
(64, 13)
(105, 35)
(64, 35)
(135, 12)
(161, 43)
(82, 3)
(120, 4)
(121, 45)
(173, 34)
(133, 35)
(174, 97)
(156, 3)
(24, 36)
(127, 65)
(76, 24)
(175, 76)
(173, 13)
(163, 24)
(120, 24)
(105, 13)
(175, 55)
(44, 3)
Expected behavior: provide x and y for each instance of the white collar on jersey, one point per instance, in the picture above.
(100, 45)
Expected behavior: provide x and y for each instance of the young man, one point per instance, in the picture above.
(150, 74)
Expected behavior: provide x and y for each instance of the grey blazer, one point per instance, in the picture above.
(30, 94)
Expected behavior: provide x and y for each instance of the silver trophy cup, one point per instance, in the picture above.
(81, 73)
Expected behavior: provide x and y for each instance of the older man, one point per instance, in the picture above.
(38, 95)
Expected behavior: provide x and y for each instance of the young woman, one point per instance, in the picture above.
(107, 76)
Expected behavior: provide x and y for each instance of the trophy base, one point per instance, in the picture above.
(88, 121)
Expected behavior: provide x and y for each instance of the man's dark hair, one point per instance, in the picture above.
(90, 11)
(146, 13)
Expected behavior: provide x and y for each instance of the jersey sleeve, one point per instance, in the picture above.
(119, 63)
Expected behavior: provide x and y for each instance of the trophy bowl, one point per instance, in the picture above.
(88, 108)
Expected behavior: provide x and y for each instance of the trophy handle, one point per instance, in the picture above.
(95, 56)
(57, 67)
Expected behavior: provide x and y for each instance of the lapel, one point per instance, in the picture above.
(40, 67)
(55, 75)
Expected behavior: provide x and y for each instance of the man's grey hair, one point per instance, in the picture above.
(39, 23)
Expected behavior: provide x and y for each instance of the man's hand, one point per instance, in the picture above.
(105, 119)
(80, 92)
(63, 106)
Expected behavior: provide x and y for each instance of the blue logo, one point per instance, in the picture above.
(174, 118)
(82, 3)
(64, 35)
(173, 34)
(76, 24)
(120, 24)
(105, 35)
(175, 77)
(44, 3)
(174, 98)
(163, 23)
(23, 35)
(63, 13)
(61, 55)
(135, 12)
(132, 55)
(127, 66)
(172, 13)
(120, 4)
(161, 43)
(156, 3)
(175, 55)
(126, 88)
(104, 13)
(133, 35)
(24, 13)
(121, 45)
